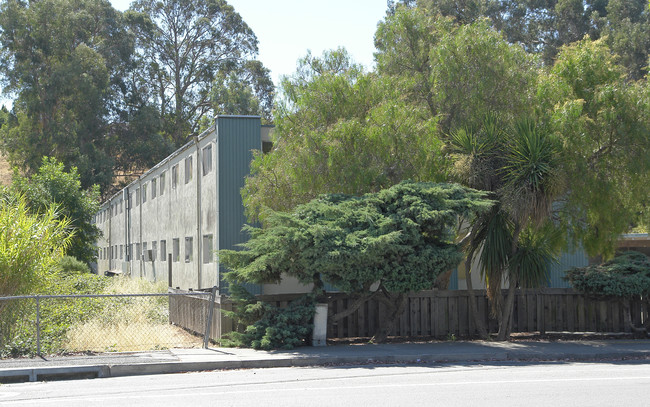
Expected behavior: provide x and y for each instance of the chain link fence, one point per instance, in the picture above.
(59, 324)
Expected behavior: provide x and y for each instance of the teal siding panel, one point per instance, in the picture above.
(453, 280)
(567, 261)
(330, 288)
(237, 137)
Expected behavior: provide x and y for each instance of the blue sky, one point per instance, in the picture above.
(286, 29)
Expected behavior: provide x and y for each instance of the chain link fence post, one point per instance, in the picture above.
(38, 325)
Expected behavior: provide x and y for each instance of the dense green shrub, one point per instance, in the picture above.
(626, 276)
(269, 327)
(398, 240)
(69, 265)
(53, 186)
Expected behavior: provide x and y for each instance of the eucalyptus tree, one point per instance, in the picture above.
(185, 45)
(542, 27)
(63, 62)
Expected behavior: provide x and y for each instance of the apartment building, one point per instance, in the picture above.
(170, 223)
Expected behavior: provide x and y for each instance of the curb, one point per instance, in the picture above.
(16, 375)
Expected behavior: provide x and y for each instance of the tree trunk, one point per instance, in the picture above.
(505, 324)
(397, 305)
(478, 321)
(506, 311)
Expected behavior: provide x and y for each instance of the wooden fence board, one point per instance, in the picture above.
(453, 315)
(425, 318)
(560, 312)
(571, 313)
(361, 327)
(582, 318)
(352, 322)
(434, 316)
(471, 325)
(603, 323)
(443, 315)
(463, 316)
(616, 317)
(531, 312)
(520, 322)
(414, 320)
(340, 325)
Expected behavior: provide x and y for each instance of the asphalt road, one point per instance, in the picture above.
(498, 384)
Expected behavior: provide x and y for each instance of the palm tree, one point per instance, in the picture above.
(519, 167)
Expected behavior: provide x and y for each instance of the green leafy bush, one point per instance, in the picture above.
(626, 276)
(69, 265)
(398, 240)
(53, 186)
(269, 327)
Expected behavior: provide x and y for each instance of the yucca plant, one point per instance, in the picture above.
(519, 166)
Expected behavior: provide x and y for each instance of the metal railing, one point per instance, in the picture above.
(37, 324)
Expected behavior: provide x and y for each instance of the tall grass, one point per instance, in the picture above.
(129, 323)
(98, 324)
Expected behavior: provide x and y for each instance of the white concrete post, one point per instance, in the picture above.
(319, 337)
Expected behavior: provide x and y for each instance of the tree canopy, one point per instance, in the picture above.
(555, 132)
(401, 238)
(184, 47)
(341, 130)
(113, 93)
(54, 190)
(544, 27)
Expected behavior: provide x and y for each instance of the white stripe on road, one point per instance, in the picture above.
(216, 392)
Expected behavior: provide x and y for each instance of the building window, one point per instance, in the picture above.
(137, 196)
(154, 250)
(153, 188)
(138, 253)
(188, 249)
(174, 176)
(208, 250)
(207, 160)
(144, 251)
(188, 169)
(144, 193)
(121, 251)
(163, 250)
(176, 250)
(162, 183)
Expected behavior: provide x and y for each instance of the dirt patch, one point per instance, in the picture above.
(5, 171)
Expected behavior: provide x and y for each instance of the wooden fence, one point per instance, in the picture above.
(192, 312)
(440, 314)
